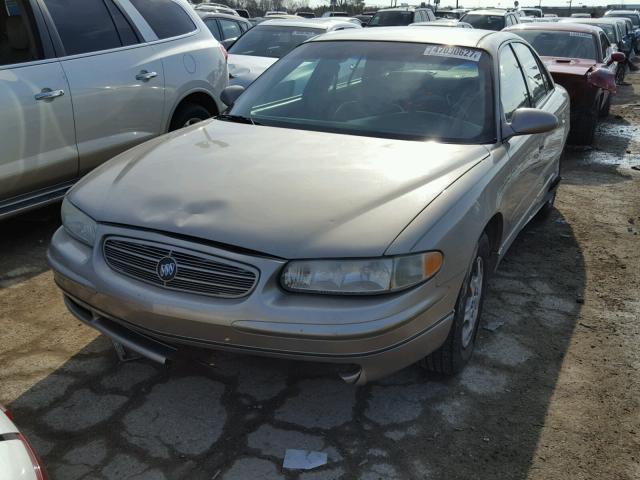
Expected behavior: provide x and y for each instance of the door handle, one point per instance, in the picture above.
(48, 94)
(145, 76)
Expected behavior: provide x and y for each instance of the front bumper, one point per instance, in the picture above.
(378, 334)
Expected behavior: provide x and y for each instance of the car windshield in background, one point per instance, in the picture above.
(609, 29)
(272, 41)
(380, 89)
(561, 44)
(485, 22)
(633, 18)
(391, 19)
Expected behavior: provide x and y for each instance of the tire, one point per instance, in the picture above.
(457, 349)
(584, 132)
(188, 114)
(606, 108)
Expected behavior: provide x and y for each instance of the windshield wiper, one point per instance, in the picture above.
(237, 119)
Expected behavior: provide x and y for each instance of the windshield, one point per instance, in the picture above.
(561, 44)
(380, 89)
(634, 18)
(391, 19)
(609, 29)
(272, 41)
(485, 22)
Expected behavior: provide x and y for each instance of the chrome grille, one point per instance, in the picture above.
(197, 272)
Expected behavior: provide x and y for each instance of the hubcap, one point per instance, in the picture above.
(192, 121)
(472, 304)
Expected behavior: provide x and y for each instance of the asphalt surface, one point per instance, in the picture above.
(535, 402)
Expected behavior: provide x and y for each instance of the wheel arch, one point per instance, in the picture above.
(199, 97)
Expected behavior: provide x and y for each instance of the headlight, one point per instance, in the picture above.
(358, 277)
(78, 224)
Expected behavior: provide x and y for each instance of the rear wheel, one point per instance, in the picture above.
(457, 349)
(189, 114)
(583, 132)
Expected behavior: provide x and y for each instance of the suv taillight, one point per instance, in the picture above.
(224, 52)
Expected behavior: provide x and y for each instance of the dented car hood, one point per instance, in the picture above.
(286, 193)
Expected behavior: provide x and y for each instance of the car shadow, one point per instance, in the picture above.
(24, 242)
(218, 415)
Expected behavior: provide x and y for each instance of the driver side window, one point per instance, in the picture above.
(513, 89)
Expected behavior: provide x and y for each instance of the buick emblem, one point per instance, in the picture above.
(167, 269)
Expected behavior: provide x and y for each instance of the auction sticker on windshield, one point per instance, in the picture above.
(453, 52)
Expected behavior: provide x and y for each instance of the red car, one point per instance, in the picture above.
(582, 60)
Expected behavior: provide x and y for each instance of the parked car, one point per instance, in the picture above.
(443, 22)
(225, 28)
(265, 43)
(491, 19)
(364, 19)
(310, 221)
(453, 13)
(334, 14)
(18, 459)
(581, 59)
(216, 8)
(634, 16)
(613, 29)
(532, 12)
(79, 89)
(401, 16)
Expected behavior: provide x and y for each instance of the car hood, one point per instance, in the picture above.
(247, 65)
(281, 192)
(569, 66)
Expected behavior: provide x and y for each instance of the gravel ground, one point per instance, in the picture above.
(554, 392)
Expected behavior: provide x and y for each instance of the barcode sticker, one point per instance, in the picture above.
(453, 52)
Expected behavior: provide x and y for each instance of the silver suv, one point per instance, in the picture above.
(83, 80)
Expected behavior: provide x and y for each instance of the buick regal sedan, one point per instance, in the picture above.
(348, 207)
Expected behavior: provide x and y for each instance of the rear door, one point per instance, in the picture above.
(542, 165)
(117, 84)
(522, 187)
(38, 148)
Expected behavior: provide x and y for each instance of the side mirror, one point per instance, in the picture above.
(228, 43)
(526, 121)
(617, 57)
(230, 94)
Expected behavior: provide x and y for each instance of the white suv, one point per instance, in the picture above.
(83, 80)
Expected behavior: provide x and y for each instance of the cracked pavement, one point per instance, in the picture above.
(551, 392)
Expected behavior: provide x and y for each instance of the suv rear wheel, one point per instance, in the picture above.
(188, 114)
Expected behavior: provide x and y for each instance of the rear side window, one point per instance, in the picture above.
(212, 25)
(89, 29)
(165, 17)
(127, 35)
(230, 29)
(532, 72)
(513, 90)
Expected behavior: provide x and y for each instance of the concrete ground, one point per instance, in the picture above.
(553, 390)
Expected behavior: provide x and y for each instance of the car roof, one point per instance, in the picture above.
(306, 22)
(488, 11)
(609, 20)
(401, 9)
(459, 37)
(208, 14)
(557, 26)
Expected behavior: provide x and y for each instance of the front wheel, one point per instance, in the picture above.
(457, 349)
